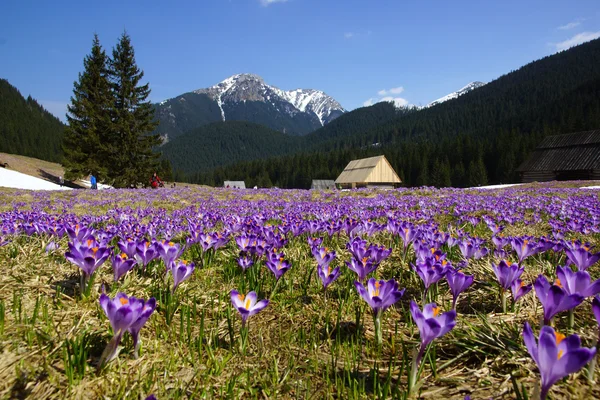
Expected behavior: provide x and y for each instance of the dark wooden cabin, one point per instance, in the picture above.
(573, 156)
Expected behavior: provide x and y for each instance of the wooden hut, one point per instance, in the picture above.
(322, 184)
(573, 156)
(368, 172)
(234, 184)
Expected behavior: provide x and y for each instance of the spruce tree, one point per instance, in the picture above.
(130, 148)
(477, 173)
(89, 119)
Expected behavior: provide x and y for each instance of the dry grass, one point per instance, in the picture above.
(303, 345)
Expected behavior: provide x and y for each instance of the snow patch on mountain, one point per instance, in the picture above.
(244, 87)
(454, 95)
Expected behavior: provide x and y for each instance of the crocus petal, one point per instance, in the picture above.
(530, 342)
(596, 308)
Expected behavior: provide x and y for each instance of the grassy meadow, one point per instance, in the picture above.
(309, 342)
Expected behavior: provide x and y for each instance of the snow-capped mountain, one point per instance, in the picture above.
(246, 97)
(250, 87)
(458, 93)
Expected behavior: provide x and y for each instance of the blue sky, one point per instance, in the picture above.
(356, 51)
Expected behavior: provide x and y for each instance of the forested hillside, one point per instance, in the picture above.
(479, 138)
(26, 128)
(221, 143)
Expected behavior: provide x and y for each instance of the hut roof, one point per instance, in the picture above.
(568, 152)
(368, 170)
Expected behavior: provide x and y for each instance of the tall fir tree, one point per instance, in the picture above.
(131, 144)
(89, 119)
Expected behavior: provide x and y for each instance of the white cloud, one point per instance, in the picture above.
(577, 39)
(570, 25)
(369, 102)
(398, 101)
(266, 3)
(56, 108)
(348, 35)
(396, 90)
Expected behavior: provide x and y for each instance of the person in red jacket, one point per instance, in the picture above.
(155, 181)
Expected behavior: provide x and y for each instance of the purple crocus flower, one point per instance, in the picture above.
(125, 314)
(128, 246)
(555, 355)
(379, 253)
(79, 233)
(380, 295)
(146, 252)
(327, 275)
(471, 249)
(50, 247)
(430, 271)
(582, 257)
(358, 248)
(362, 267)
(431, 323)
(207, 241)
(500, 241)
(577, 282)
(519, 289)
(506, 273)
(247, 304)
(408, 233)
(524, 247)
(277, 264)
(314, 241)
(554, 298)
(168, 251)
(244, 261)
(458, 283)
(244, 242)
(181, 271)
(134, 329)
(121, 265)
(323, 256)
(88, 257)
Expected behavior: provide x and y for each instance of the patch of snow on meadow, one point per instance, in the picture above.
(17, 180)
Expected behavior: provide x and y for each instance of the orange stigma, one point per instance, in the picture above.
(557, 283)
(436, 311)
(123, 301)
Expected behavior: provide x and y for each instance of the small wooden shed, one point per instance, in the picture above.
(572, 156)
(234, 184)
(368, 172)
(323, 184)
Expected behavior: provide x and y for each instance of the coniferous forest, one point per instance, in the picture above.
(479, 138)
(26, 128)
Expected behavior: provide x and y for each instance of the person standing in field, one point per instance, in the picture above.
(93, 182)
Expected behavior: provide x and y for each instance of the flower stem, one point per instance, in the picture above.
(503, 300)
(571, 314)
(378, 334)
(412, 379)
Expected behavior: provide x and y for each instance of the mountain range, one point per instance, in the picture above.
(477, 137)
(246, 97)
(244, 129)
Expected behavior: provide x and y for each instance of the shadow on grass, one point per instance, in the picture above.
(21, 389)
(372, 383)
(55, 179)
(69, 286)
(345, 331)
